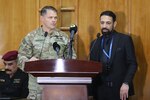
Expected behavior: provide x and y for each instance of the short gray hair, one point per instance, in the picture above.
(43, 11)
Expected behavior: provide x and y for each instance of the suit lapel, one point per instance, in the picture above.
(114, 46)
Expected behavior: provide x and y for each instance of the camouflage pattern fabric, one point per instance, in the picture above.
(35, 44)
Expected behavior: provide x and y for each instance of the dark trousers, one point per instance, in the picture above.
(104, 92)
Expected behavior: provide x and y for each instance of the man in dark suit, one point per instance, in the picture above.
(13, 81)
(116, 53)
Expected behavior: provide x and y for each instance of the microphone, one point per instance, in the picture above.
(92, 47)
(73, 29)
(98, 35)
(56, 47)
(45, 35)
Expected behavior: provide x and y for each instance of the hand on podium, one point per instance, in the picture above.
(33, 59)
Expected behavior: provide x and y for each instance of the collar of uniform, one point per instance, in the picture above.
(41, 31)
(54, 32)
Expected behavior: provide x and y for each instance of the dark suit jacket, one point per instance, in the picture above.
(123, 61)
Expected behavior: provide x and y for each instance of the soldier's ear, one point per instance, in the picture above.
(41, 18)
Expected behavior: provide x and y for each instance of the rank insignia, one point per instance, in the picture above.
(16, 81)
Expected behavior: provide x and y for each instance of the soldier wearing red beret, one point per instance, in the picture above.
(13, 81)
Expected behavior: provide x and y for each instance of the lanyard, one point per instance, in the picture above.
(110, 48)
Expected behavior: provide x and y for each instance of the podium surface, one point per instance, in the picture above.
(63, 79)
(63, 68)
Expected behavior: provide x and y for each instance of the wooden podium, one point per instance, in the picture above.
(63, 79)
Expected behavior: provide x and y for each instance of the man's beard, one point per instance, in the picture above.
(105, 32)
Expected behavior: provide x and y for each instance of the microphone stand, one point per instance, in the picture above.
(57, 52)
(73, 30)
(70, 48)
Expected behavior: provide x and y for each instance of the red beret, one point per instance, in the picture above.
(10, 55)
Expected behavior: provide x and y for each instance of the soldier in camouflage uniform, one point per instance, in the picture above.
(38, 44)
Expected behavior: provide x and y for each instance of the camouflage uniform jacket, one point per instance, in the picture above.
(40, 46)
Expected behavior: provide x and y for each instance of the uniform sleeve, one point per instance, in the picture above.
(25, 51)
(25, 89)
